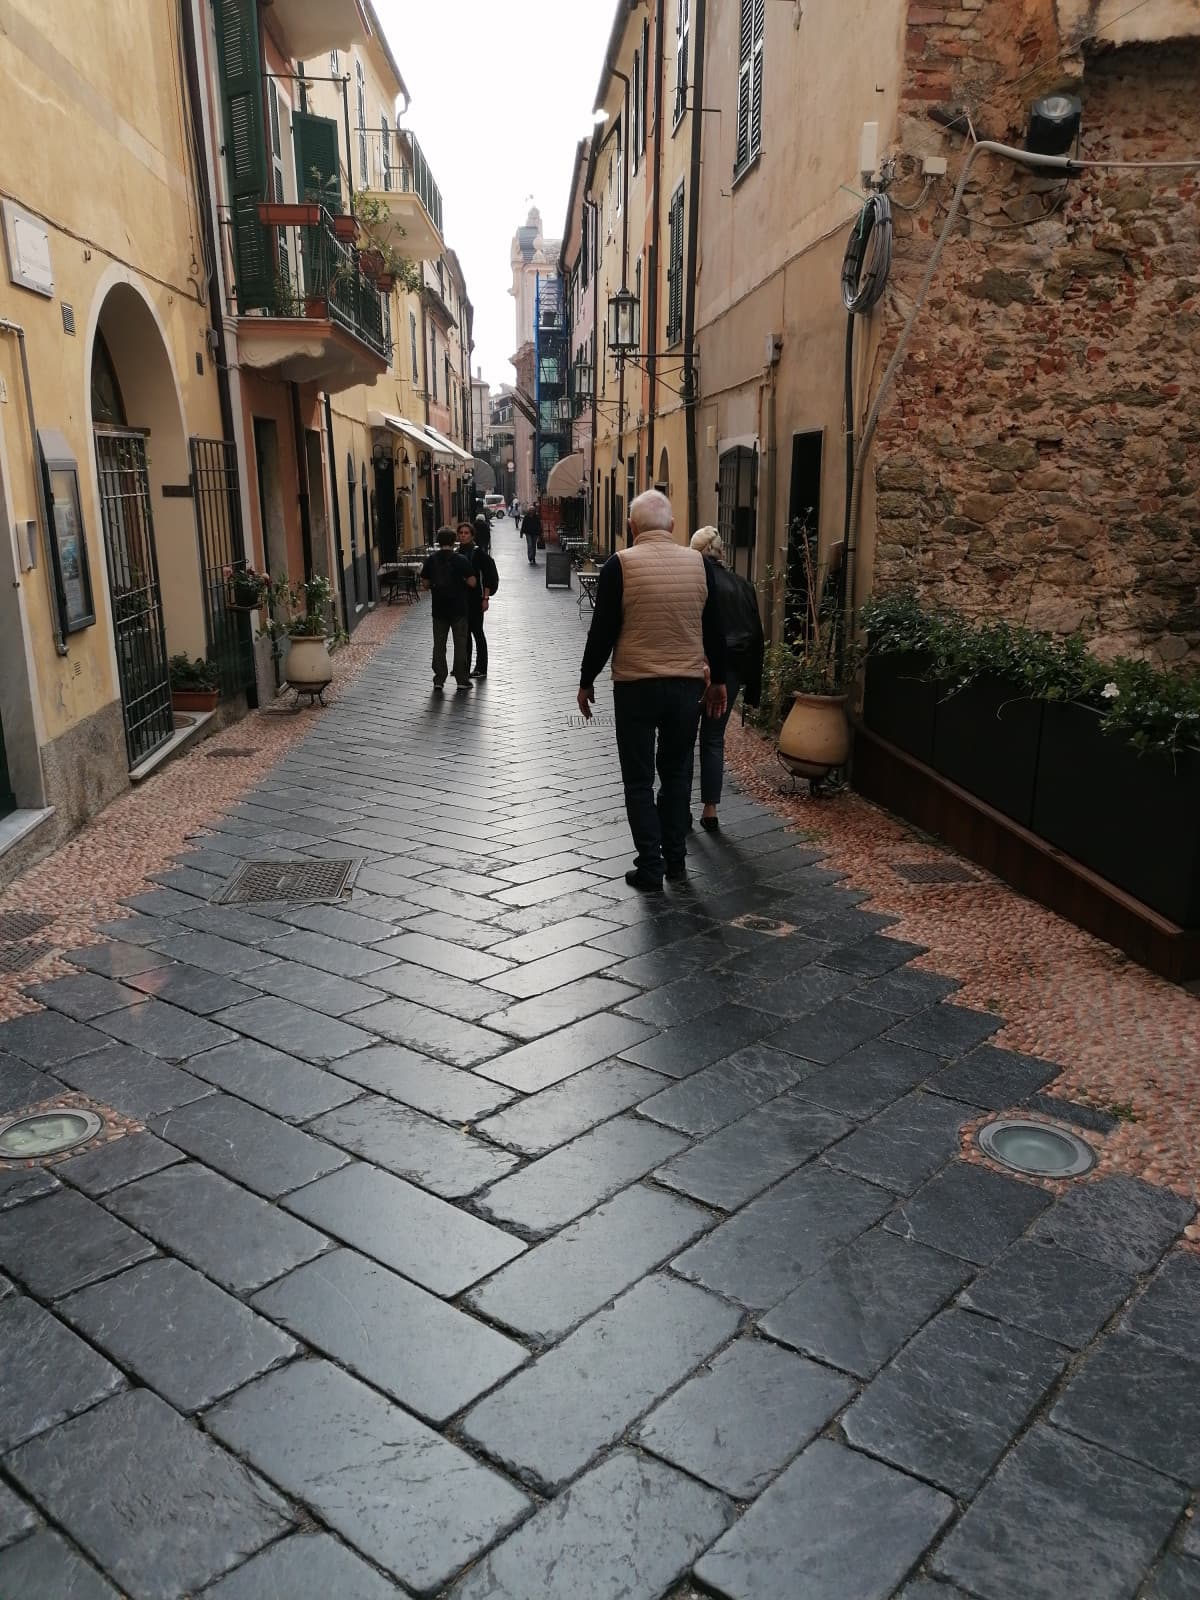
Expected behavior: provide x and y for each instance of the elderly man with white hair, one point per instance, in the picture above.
(658, 617)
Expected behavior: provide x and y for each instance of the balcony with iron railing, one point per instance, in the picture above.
(391, 171)
(306, 308)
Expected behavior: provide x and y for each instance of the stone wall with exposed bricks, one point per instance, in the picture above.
(1039, 458)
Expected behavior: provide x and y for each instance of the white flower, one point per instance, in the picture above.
(1110, 692)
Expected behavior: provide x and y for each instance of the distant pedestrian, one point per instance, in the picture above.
(448, 576)
(483, 531)
(487, 581)
(531, 532)
(744, 647)
(658, 616)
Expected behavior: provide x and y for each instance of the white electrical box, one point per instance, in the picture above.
(935, 167)
(868, 150)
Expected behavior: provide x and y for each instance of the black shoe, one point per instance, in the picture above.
(676, 871)
(711, 824)
(466, 685)
(637, 879)
(479, 674)
(437, 688)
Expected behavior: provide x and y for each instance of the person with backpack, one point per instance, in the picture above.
(745, 647)
(471, 543)
(449, 577)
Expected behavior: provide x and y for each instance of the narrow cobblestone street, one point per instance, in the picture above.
(500, 1233)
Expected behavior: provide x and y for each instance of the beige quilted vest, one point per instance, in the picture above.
(665, 588)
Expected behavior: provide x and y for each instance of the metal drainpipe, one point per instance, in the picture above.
(616, 73)
(655, 236)
(60, 639)
(689, 313)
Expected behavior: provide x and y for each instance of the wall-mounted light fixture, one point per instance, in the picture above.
(1053, 124)
(624, 323)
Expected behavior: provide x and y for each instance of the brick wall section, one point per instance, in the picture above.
(1040, 455)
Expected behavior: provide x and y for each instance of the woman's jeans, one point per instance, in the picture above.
(712, 745)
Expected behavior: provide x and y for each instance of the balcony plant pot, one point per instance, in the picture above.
(243, 596)
(899, 704)
(316, 307)
(289, 214)
(307, 666)
(371, 262)
(194, 699)
(1134, 819)
(385, 282)
(815, 736)
(986, 738)
(345, 228)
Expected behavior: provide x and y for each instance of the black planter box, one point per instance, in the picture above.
(1133, 819)
(899, 705)
(986, 740)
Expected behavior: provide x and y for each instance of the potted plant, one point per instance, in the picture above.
(900, 693)
(289, 214)
(195, 685)
(345, 227)
(370, 261)
(813, 667)
(246, 586)
(300, 612)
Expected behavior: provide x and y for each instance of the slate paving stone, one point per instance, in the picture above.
(951, 1402)
(16, 1518)
(1176, 1578)
(1190, 1539)
(427, 1085)
(797, 994)
(550, 972)
(225, 1231)
(319, 991)
(873, 955)
(698, 953)
(163, 902)
(557, 1188)
(558, 1283)
(905, 1144)
(905, 991)
(20, 1185)
(547, 1013)
(1060, 1517)
(736, 1163)
(435, 1244)
(1123, 1222)
(761, 1253)
(1073, 1112)
(254, 1149)
(770, 960)
(1140, 1400)
(649, 932)
(295, 1030)
(48, 1039)
(351, 1309)
(1049, 1291)
(549, 1060)
(132, 1082)
(449, 1039)
(725, 1091)
(1168, 1310)
(304, 1566)
(867, 1079)
(799, 1536)
(441, 955)
(689, 1046)
(439, 991)
(49, 1375)
(444, 1160)
(177, 1332)
(142, 930)
(275, 1082)
(231, 922)
(191, 988)
(691, 996)
(106, 1167)
(351, 927)
(930, 1589)
(550, 941)
(329, 955)
(857, 1310)
(22, 1085)
(163, 1030)
(83, 996)
(993, 1078)
(61, 1242)
(443, 925)
(153, 1501)
(225, 957)
(969, 1211)
(541, 1122)
(46, 1565)
(400, 1493)
(552, 1418)
(741, 1420)
(947, 1030)
(830, 1033)
(631, 1527)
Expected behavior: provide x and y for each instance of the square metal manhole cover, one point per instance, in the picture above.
(20, 957)
(288, 880)
(933, 872)
(753, 923)
(230, 754)
(20, 924)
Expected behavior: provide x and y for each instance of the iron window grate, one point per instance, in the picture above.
(933, 872)
(20, 924)
(288, 880)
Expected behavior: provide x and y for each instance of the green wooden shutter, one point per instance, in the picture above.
(318, 164)
(240, 66)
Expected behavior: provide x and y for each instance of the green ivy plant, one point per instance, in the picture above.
(1149, 707)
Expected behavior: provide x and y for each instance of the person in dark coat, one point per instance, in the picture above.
(449, 578)
(487, 581)
(745, 647)
(531, 532)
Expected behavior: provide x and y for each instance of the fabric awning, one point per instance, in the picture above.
(448, 446)
(566, 478)
(401, 425)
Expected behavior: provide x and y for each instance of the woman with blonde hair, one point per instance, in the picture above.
(744, 666)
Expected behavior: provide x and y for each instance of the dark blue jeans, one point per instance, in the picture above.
(712, 745)
(656, 720)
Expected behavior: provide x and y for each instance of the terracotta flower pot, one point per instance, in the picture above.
(307, 666)
(815, 737)
(194, 699)
(316, 307)
(287, 214)
(371, 262)
(345, 228)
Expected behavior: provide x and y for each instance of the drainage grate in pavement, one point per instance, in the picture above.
(768, 925)
(231, 754)
(598, 719)
(288, 880)
(20, 957)
(20, 924)
(933, 872)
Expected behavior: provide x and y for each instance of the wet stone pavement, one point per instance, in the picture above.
(499, 1232)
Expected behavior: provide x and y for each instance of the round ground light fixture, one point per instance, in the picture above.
(41, 1134)
(1035, 1148)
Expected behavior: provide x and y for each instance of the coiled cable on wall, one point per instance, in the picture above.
(868, 259)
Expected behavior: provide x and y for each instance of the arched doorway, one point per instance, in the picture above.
(143, 474)
(663, 482)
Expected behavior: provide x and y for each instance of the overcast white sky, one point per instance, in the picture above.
(502, 91)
